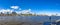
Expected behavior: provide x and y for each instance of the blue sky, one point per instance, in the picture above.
(37, 6)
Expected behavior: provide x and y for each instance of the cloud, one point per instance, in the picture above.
(19, 8)
(29, 9)
(5, 11)
(25, 11)
(18, 12)
(14, 7)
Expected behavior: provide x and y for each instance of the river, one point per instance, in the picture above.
(31, 19)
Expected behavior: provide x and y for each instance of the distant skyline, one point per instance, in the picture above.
(36, 6)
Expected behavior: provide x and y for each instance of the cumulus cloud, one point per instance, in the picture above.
(14, 7)
(6, 10)
(25, 11)
(18, 12)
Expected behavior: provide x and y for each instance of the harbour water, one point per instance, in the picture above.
(28, 20)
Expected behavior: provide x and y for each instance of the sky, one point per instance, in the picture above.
(36, 6)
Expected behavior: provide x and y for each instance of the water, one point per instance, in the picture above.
(21, 18)
(30, 19)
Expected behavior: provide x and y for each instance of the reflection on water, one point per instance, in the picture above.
(33, 20)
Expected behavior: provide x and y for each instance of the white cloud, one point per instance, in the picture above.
(19, 8)
(18, 12)
(25, 11)
(14, 7)
(29, 9)
(5, 11)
